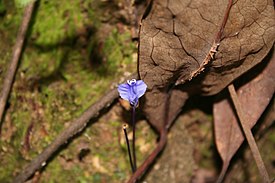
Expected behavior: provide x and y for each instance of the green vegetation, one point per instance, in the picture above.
(69, 62)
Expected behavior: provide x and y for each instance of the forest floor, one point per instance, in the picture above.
(76, 51)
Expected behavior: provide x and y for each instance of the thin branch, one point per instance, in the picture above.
(17, 50)
(76, 126)
(248, 134)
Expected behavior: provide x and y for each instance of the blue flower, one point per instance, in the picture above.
(132, 91)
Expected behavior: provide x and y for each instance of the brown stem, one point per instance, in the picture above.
(161, 144)
(140, 171)
(248, 134)
(76, 126)
(214, 46)
(222, 173)
(17, 50)
(225, 18)
(134, 137)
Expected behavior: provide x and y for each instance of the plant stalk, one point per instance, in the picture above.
(128, 147)
(134, 137)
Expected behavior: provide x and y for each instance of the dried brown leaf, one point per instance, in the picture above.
(176, 37)
(254, 97)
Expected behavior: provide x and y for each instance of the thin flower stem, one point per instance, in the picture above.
(134, 136)
(128, 147)
(144, 166)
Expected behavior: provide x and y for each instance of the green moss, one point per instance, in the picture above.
(56, 21)
(97, 178)
(271, 137)
(118, 48)
(56, 82)
(2, 8)
(53, 170)
(9, 21)
(22, 3)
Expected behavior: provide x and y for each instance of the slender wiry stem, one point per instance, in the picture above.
(140, 171)
(17, 50)
(128, 147)
(160, 146)
(248, 134)
(134, 136)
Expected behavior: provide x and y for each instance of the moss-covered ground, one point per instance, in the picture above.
(75, 52)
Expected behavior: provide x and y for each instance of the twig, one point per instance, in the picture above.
(17, 50)
(248, 134)
(76, 126)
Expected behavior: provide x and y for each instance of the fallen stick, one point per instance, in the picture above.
(17, 50)
(248, 134)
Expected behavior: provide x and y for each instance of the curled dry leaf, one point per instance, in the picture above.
(177, 36)
(254, 97)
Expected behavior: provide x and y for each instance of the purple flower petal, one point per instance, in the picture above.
(132, 91)
(141, 88)
(123, 90)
